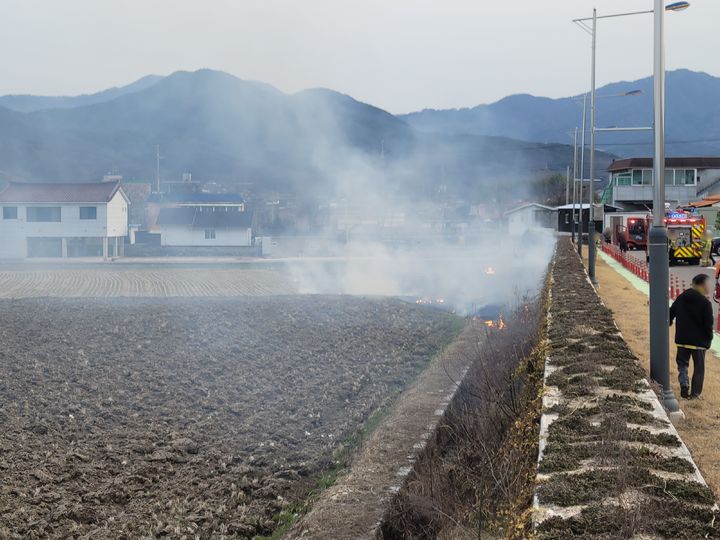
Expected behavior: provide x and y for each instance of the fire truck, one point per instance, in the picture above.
(686, 230)
(635, 233)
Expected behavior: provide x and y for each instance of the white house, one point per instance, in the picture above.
(205, 220)
(63, 220)
(530, 216)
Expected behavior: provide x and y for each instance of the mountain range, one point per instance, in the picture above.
(692, 116)
(229, 130)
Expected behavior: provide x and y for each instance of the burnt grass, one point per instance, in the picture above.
(604, 451)
(196, 418)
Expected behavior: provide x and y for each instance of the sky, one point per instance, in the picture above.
(400, 55)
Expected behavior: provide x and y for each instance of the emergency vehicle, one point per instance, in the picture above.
(686, 231)
(635, 233)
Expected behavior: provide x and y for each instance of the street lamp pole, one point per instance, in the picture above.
(658, 237)
(575, 175)
(592, 248)
(582, 176)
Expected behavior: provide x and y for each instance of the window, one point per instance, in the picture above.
(669, 177)
(623, 179)
(209, 234)
(9, 212)
(685, 177)
(88, 212)
(43, 214)
(647, 177)
(637, 177)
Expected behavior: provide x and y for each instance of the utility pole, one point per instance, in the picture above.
(575, 175)
(157, 168)
(658, 237)
(567, 186)
(592, 248)
(582, 175)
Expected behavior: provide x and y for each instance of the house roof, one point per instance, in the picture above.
(47, 192)
(707, 201)
(585, 206)
(530, 205)
(197, 198)
(671, 162)
(204, 219)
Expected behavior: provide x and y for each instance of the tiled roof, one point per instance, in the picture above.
(87, 192)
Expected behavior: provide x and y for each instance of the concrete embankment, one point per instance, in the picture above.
(611, 463)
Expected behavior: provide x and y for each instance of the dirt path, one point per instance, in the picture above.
(354, 506)
(702, 423)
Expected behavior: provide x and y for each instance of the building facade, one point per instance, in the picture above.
(687, 179)
(205, 220)
(63, 220)
(530, 216)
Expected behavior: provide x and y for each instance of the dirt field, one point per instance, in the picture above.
(702, 423)
(165, 281)
(135, 418)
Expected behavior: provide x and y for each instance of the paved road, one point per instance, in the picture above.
(684, 273)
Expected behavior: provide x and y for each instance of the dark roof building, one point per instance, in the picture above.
(670, 163)
(204, 218)
(197, 198)
(687, 179)
(60, 193)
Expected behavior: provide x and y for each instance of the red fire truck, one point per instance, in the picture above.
(635, 233)
(686, 230)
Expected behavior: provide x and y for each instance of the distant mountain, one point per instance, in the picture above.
(692, 123)
(228, 130)
(30, 103)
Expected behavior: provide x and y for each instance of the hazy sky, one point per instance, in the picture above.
(401, 55)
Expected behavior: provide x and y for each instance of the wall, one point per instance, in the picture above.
(13, 233)
(183, 235)
(117, 216)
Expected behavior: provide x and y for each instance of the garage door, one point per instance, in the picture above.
(44, 247)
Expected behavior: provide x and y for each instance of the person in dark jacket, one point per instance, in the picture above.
(693, 334)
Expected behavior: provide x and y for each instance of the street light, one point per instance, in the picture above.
(629, 93)
(657, 237)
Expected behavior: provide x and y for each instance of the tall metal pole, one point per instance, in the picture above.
(157, 168)
(567, 186)
(592, 248)
(575, 175)
(582, 175)
(658, 237)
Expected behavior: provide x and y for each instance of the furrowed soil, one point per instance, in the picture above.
(196, 418)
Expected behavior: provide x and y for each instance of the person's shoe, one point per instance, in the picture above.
(685, 392)
(695, 396)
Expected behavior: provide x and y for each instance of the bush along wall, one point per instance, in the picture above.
(611, 464)
(476, 476)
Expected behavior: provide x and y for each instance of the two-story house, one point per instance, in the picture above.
(687, 179)
(62, 220)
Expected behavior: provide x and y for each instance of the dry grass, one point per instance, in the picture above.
(702, 423)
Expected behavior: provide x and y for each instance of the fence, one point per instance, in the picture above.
(641, 270)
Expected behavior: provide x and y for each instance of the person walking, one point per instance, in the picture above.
(693, 334)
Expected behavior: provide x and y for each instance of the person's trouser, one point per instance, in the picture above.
(698, 376)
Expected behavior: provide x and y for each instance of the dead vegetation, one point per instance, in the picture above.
(475, 478)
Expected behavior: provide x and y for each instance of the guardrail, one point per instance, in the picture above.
(640, 269)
